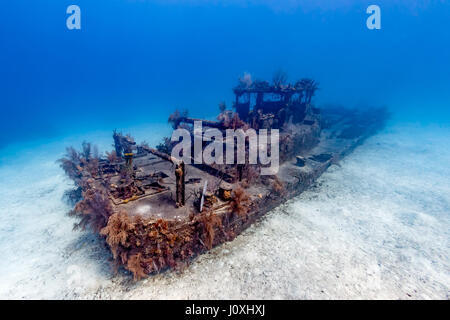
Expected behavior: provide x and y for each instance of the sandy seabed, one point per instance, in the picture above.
(375, 227)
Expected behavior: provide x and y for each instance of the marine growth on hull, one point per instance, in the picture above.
(158, 211)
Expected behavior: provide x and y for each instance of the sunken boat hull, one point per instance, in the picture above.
(156, 211)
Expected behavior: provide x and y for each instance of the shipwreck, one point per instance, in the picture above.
(157, 211)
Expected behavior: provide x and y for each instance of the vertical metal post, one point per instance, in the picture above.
(180, 184)
(129, 162)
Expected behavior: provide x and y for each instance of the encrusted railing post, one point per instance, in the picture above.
(129, 162)
(180, 174)
(180, 184)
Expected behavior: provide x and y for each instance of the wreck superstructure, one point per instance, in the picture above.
(158, 211)
(271, 106)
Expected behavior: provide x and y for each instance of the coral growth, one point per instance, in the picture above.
(86, 151)
(165, 146)
(279, 78)
(94, 210)
(231, 120)
(74, 163)
(116, 231)
(238, 204)
(137, 265)
(278, 187)
(70, 163)
(127, 186)
(176, 117)
(207, 223)
(72, 196)
(245, 81)
(112, 157)
(250, 175)
(144, 246)
(309, 88)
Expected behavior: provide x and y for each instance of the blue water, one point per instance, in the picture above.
(378, 225)
(133, 62)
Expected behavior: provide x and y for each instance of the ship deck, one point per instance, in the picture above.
(158, 201)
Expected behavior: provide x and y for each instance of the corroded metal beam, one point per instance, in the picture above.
(206, 123)
(180, 175)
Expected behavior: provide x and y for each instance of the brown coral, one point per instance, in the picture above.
(239, 202)
(278, 187)
(94, 210)
(209, 222)
(70, 163)
(112, 157)
(135, 263)
(117, 230)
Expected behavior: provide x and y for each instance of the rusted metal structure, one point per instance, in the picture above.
(277, 103)
(152, 209)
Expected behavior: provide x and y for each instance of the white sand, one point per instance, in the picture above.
(378, 226)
